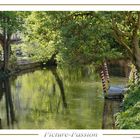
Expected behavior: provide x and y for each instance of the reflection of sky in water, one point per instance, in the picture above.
(56, 99)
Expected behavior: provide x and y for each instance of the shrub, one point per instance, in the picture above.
(129, 118)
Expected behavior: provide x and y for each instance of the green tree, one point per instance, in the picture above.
(126, 30)
(76, 37)
(85, 37)
(10, 23)
(40, 35)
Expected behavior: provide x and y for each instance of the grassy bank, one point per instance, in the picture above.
(129, 117)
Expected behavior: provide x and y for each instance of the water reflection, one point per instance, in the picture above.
(52, 99)
(61, 86)
(111, 107)
(5, 90)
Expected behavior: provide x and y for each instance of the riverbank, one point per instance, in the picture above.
(23, 66)
(129, 117)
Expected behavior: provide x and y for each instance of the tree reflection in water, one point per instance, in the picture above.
(111, 107)
(61, 86)
(5, 90)
(52, 98)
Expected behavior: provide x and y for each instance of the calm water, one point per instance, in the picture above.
(53, 99)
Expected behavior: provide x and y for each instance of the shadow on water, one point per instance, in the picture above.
(111, 107)
(5, 90)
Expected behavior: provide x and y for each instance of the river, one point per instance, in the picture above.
(62, 98)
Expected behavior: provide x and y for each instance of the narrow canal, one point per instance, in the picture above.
(56, 99)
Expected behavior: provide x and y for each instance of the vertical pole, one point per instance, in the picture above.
(107, 74)
(103, 82)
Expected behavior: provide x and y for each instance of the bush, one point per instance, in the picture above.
(129, 118)
(132, 97)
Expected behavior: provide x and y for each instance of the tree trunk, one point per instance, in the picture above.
(137, 57)
(135, 44)
(6, 50)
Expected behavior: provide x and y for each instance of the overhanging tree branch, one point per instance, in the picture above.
(122, 43)
(119, 36)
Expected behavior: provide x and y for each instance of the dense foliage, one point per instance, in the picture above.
(76, 37)
(129, 118)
